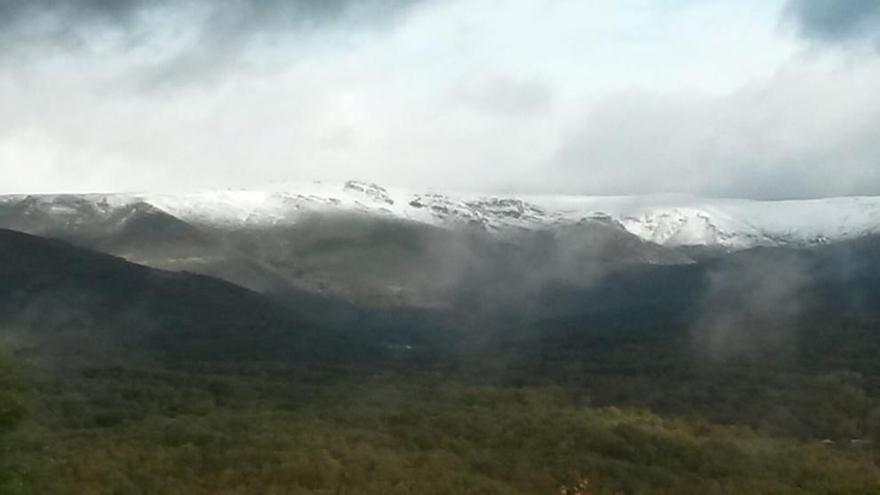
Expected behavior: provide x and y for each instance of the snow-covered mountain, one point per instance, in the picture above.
(669, 220)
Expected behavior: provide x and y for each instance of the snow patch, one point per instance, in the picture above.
(662, 219)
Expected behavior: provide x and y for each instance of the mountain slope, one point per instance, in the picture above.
(662, 219)
(390, 247)
(54, 296)
(363, 256)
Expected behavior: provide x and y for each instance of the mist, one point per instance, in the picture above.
(753, 307)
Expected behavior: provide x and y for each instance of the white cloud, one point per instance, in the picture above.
(809, 130)
(605, 97)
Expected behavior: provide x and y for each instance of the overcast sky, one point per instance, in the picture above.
(745, 98)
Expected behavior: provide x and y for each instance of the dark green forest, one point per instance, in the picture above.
(118, 379)
(408, 428)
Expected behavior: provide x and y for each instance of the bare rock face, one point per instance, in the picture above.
(489, 213)
(372, 192)
(508, 208)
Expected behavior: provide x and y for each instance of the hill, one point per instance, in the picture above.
(70, 300)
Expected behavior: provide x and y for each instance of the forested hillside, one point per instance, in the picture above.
(703, 378)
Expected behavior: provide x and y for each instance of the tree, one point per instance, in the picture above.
(13, 393)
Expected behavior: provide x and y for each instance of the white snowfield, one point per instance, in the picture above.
(671, 220)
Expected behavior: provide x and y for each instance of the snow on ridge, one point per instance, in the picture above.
(672, 220)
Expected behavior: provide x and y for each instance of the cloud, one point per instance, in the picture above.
(217, 18)
(752, 305)
(177, 37)
(511, 97)
(836, 21)
(585, 97)
(808, 131)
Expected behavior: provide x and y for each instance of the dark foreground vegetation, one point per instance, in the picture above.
(236, 428)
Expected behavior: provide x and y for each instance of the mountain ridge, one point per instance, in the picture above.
(668, 220)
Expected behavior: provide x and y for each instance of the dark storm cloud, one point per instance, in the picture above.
(76, 23)
(836, 21)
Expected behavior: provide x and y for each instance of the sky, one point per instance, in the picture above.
(764, 99)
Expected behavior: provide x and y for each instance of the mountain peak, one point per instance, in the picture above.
(662, 219)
